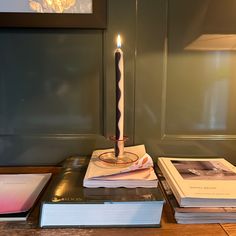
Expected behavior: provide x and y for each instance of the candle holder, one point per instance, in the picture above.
(119, 156)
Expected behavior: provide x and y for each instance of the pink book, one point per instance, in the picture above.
(18, 192)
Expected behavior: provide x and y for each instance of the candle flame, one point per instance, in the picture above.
(118, 41)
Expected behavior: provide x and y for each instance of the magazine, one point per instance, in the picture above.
(199, 182)
(195, 215)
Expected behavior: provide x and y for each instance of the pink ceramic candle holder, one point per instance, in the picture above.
(119, 156)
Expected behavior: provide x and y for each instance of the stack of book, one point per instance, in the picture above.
(199, 190)
(104, 195)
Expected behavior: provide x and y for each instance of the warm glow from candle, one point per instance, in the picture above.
(118, 41)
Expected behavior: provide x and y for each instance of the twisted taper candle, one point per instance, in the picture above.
(119, 68)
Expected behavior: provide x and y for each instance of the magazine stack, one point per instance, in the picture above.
(199, 190)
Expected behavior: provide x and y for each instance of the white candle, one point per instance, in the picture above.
(119, 68)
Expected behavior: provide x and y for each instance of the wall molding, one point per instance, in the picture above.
(197, 137)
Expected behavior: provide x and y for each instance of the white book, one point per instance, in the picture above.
(198, 182)
(137, 174)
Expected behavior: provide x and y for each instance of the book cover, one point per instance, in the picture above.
(85, 207)
(18, 193)
(20, 216)
(200, 182)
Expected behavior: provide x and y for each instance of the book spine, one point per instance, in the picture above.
(176, 191)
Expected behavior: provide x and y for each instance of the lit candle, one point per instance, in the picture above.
(119, 68)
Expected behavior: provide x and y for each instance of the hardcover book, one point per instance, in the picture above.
(200, 182)
(67, 203)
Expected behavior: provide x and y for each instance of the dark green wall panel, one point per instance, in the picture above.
(57, 87)
(50, 81)
(184, 100)
(51, 94)
(151, 33)
(44, 150)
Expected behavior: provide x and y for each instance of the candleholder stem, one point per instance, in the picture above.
(119, 148)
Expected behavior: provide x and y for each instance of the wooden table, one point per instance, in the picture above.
(168, 225)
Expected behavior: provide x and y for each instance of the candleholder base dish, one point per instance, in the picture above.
(125, 159)
(118, 156)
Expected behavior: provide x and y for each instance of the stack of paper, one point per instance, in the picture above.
(137, 174)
